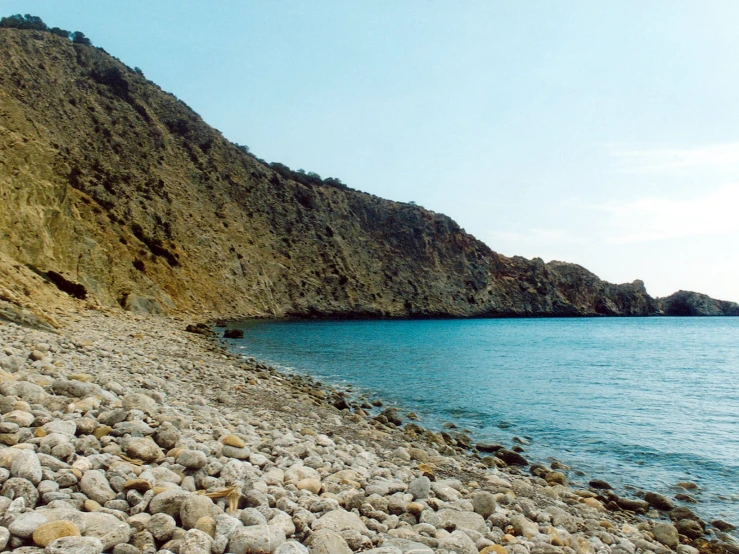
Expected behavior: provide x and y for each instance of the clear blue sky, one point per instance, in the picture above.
(601, 133)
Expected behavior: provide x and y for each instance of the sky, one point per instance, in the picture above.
(600, 133)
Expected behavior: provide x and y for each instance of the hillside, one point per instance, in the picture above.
(114, 191)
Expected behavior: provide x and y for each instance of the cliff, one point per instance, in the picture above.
(688, 303)
(115, 192)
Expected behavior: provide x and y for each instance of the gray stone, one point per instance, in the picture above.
(75, 545)
(78, 389)
(20, 418)
(168, 502)
(4, 537)
(326, 541)
(252, 516)
(125, 549)
(458, 542)
(106, 527)
(161, 526)
(63, 427)
(659, 501)
(196, 542)
(454, 519)
(420, 488)
(256, 538)
(30, 392)
(137, 401)
(226, 525)
(407, 546)
(144, 449)
(234, 452)
(483, 502)
(524, 527)
(112, 417)
(25, 524)
(17, 487)
(445, 492)
(193, 508)
(666, 533)
(340, 521)
(167, 435)
(94, 484)
(291, 547)
(192, 459)
(26, 465)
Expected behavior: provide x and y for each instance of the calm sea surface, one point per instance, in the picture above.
(641, 403)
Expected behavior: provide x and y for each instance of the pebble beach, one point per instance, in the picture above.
(129, 434)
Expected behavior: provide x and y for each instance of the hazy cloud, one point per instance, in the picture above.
(651, 219)
(719, 157)
(534, 235)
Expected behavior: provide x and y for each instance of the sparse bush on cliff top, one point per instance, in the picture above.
(27, 21)
(35, 23)
(78, 37)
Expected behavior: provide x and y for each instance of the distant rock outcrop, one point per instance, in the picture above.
(687, 303)
(114, 191)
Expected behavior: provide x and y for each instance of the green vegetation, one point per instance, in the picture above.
(35, 23)
(308, 178)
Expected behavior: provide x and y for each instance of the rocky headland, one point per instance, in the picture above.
(115, 191)
(126, 434)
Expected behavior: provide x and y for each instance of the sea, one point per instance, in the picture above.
(643, 403)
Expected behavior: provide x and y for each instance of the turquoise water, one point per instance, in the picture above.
(639, 402)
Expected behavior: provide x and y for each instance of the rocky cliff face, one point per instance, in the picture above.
(689, 303)
(115, 191)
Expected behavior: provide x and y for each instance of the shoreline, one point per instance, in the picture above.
(340, 482)
(463, 441)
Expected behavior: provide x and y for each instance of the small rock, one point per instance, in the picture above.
(722, 525)
(326, 541)
(555, 478)
(162, 526)
(193, 508)
(524, 527)
(95, 485)
(75, 545)
(458, 542)
(600, 484)
(690, 528)
(454, 519)
(25, 524)
(632, 505)
(17, 487)
(420, 488)
(511, 458)
(233, 440)
(666, 533)
(207, 525)
(257, 538)
(659, 501)
(47, 533)
(144, 449)
(192, 459)
(291, 547)
(20, 418)
(168, 502)
(312, 485)
(27, 466)
(483, 502)
(196, 542)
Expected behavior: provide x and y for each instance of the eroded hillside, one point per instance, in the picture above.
(108, 182)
